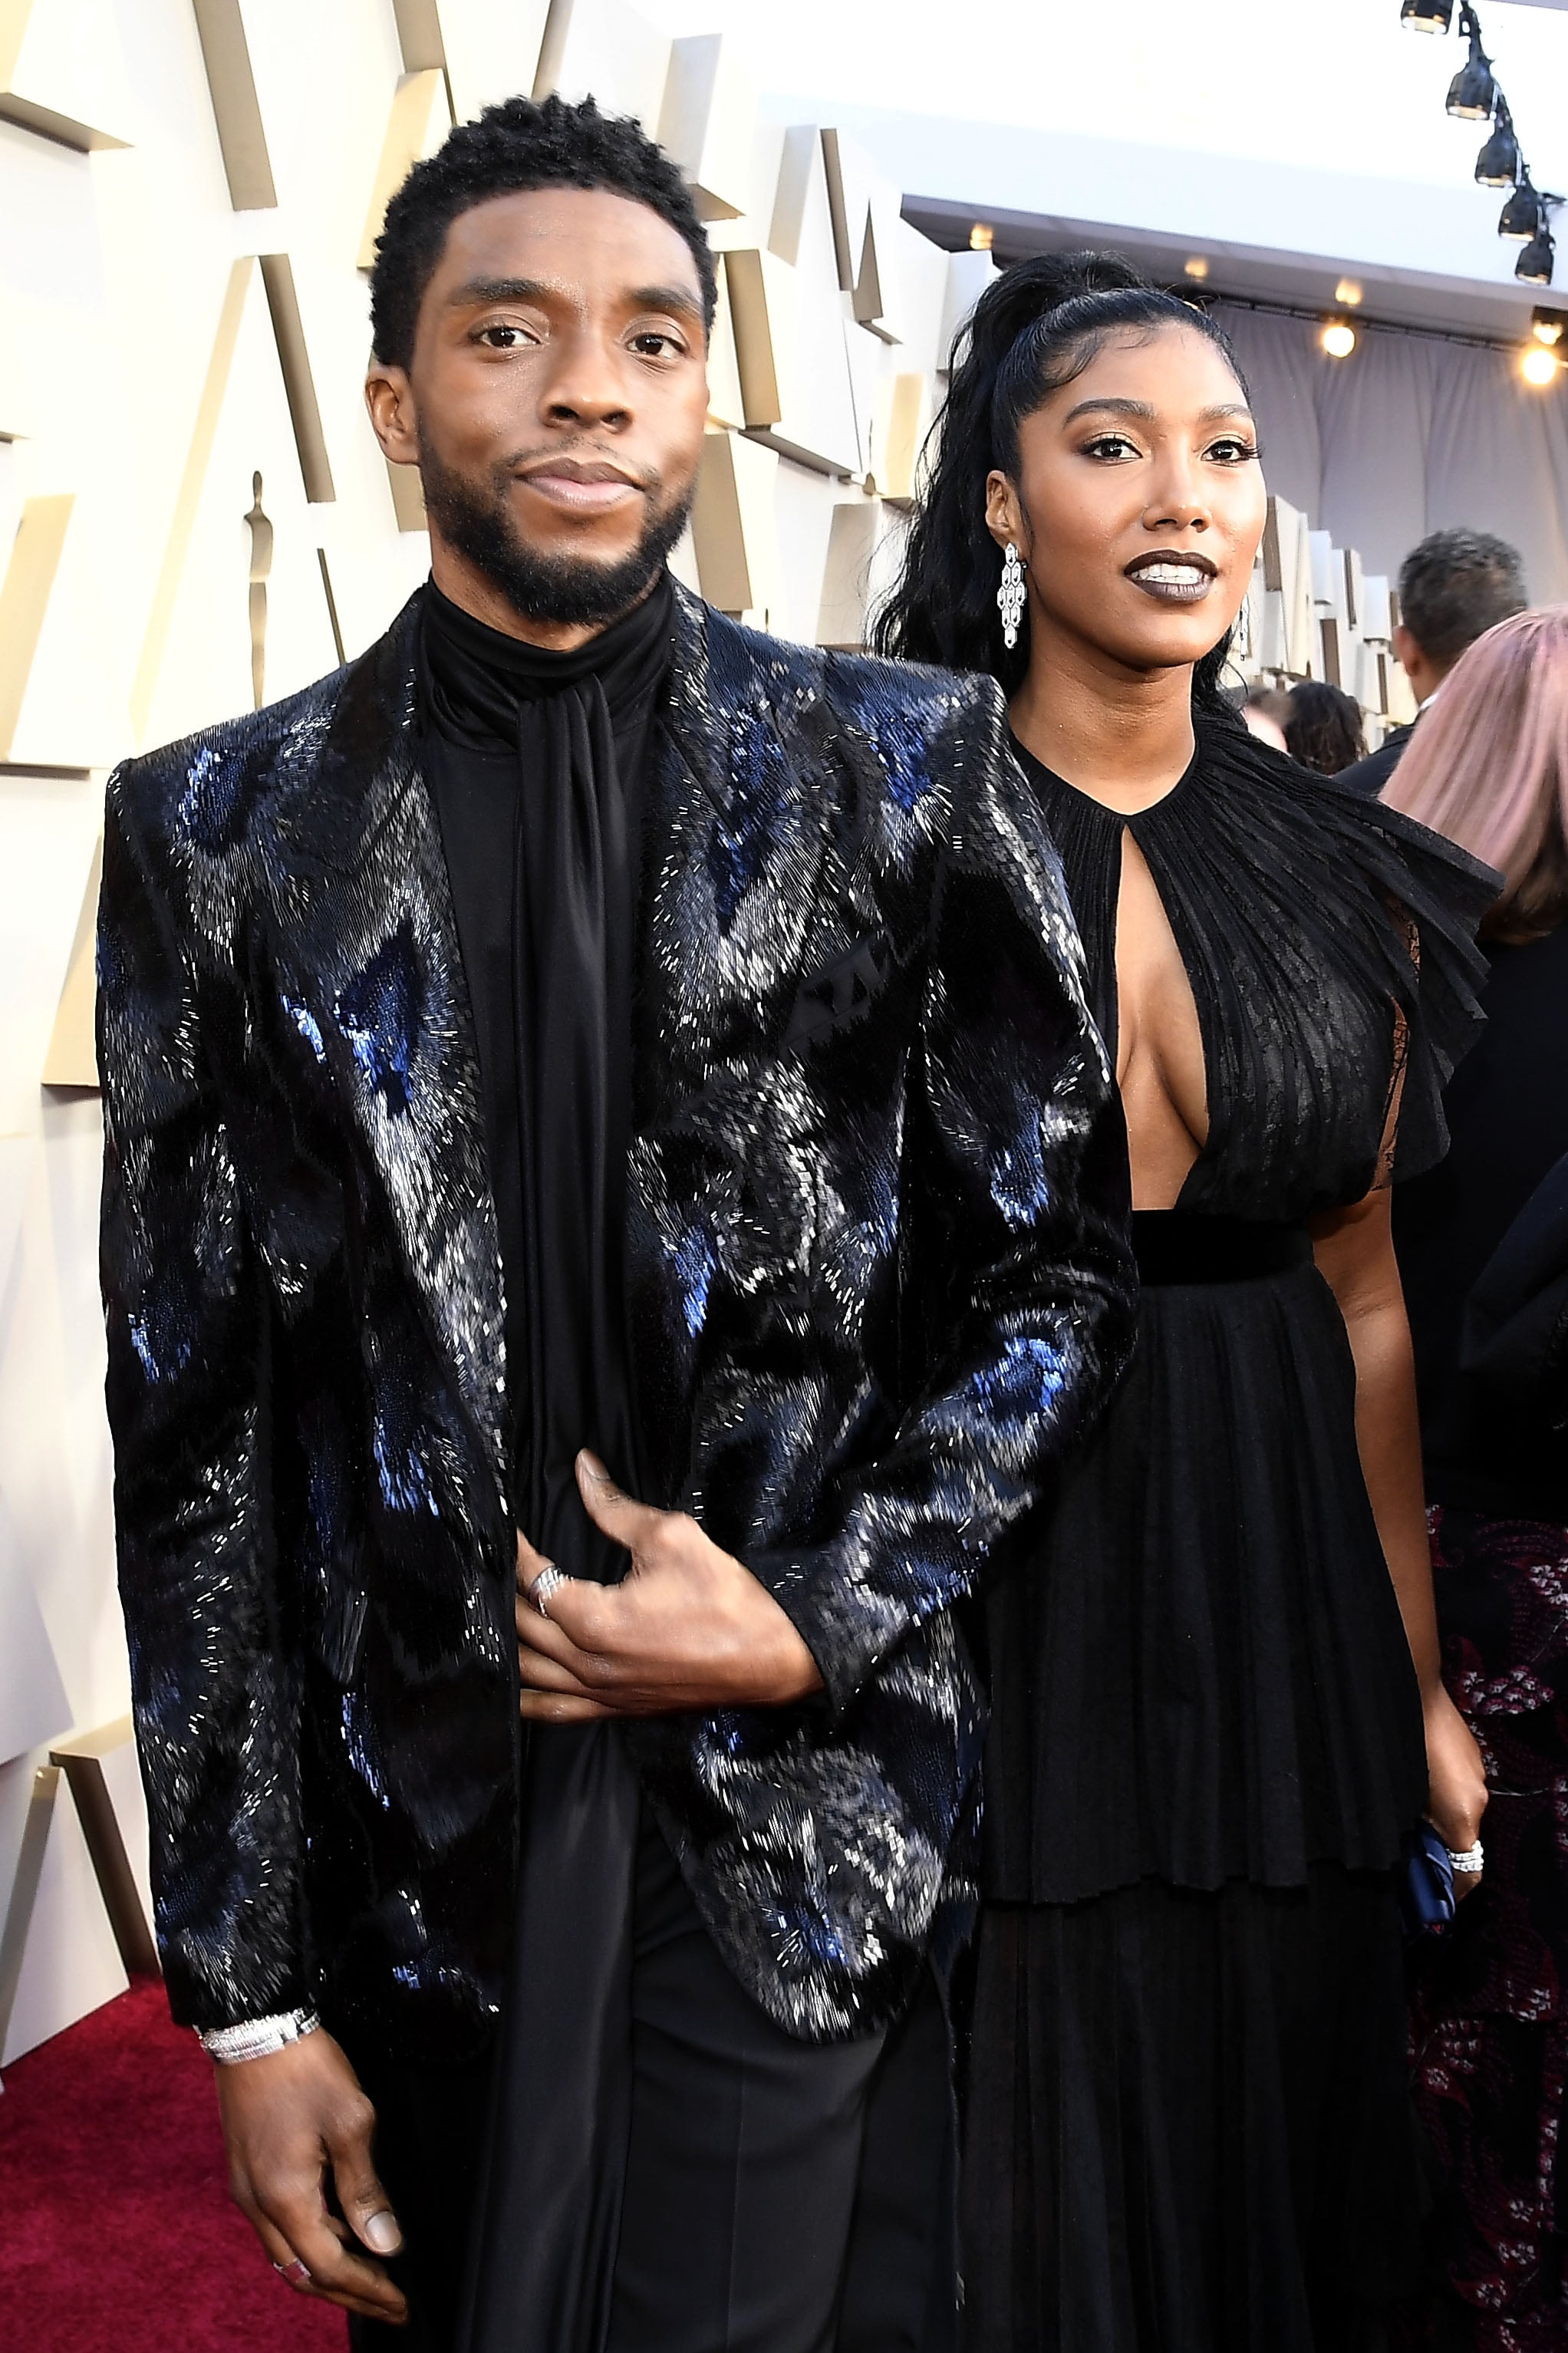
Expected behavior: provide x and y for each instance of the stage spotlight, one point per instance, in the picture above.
(1547, 326)
(980, 238)
(1338, 338)
(1538, 367)
(1472, 93)
(1348, 293)
(1426, 15)
(1497, 165)
(1534, 264)
(1521, 217)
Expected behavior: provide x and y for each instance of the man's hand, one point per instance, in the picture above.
(688, 1628)
(287, 2119)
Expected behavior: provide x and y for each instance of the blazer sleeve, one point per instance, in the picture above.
(187, 1322)
(1018, 1263)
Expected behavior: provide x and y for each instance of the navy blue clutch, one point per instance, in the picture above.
(1426, 1883)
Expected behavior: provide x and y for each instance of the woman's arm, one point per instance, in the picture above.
(1354, 1251)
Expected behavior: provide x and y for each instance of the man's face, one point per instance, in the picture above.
(555, 405)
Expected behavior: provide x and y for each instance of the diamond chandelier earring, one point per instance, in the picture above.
(1010, 597)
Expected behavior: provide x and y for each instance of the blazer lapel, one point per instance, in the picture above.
(373, 977)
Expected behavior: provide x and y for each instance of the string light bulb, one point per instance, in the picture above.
(980, 238)
(1196, 267)
(1348, 293)
(1338, 338)
(1539, 367)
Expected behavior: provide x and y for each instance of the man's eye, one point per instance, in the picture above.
(655, 344)
(503, 337)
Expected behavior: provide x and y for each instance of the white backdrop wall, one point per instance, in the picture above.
(1408, 434)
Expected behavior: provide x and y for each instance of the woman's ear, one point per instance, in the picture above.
(1003, 514)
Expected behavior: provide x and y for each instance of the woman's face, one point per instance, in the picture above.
(1138, 502)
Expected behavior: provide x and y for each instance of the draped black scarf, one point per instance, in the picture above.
(535, 761)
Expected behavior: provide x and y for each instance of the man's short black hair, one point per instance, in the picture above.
(510, 148)
(1455, 586)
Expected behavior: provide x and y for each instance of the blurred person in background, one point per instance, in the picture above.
(1217, 1714)
(1323, 727)
(1264, 713)
(1453, 587)
(1483, 1250)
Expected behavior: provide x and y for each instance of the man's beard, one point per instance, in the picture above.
(540, 587)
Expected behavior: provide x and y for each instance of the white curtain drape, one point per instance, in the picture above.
(1409, 435)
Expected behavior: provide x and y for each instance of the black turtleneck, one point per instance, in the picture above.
(535, 761)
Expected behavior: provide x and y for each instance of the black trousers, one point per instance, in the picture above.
(780, 2197)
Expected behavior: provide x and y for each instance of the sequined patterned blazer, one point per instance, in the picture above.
(879, 1282)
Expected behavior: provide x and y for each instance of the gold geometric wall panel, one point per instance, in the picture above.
(419, 35)
(420, 119)
(62, 72)
(732, 525)
(608, 48)
(709, 124)
(902, 418)
(72, 1057)
(188, 497)
(864, 537)
(23, 599)
(490, 47)
(238, 568)
(241, 135)
(793, 362)
(278, 279)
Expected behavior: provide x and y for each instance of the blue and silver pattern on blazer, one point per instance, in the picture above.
(879, 1285)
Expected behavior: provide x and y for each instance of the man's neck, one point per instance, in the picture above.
(1123, 736)
(475, 594)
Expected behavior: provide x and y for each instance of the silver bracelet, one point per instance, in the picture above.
(259, 2037)
(1470, 1860)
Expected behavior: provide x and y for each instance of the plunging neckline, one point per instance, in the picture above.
(1139, 823)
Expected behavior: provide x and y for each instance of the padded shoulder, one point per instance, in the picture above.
(194, 783)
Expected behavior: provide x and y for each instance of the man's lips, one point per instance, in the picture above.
(1173, 576)
(580, 488)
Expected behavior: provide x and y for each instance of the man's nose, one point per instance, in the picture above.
(587, 382)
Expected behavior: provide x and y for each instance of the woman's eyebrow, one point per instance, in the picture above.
(1145, 411)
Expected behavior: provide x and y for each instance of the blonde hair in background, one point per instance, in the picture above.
(1488, 766)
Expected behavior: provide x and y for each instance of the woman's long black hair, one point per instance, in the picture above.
(1032, 331)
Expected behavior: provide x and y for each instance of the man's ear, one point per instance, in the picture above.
(389, 397)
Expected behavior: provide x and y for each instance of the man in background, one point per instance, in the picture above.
(1452, 589)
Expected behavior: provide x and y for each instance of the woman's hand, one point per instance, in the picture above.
(1457, 1783)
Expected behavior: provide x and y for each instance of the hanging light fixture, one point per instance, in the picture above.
(1426, 15)
(1472, 93)
(1521, 215)
(1534, 264)
(1338, 338)
(1547, 326)
(1497, 165)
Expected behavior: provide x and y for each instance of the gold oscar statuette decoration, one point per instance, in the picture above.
(260, 565)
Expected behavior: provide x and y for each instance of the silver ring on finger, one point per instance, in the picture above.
(549, 1579)
(296, 2273)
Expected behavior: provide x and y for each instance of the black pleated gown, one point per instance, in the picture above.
(1188, 2128)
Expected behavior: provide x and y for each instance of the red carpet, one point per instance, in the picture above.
(116, 2231)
